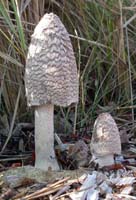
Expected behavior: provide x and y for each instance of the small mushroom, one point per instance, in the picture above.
(50, 79)
(105, 141)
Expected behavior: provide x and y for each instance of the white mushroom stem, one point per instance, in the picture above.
(44, 138)
(105, 160)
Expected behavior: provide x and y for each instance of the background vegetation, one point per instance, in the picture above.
(103, 34)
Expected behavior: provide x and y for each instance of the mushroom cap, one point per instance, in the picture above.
(105, 137)
(51, 71)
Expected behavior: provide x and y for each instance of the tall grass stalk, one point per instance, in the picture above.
(106, 63)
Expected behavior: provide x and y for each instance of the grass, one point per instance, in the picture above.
(103, 34)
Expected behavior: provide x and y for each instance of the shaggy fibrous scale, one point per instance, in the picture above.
(51, 72)
(105, 141)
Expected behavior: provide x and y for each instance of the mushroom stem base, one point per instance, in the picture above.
(44, 138)
(105, 160)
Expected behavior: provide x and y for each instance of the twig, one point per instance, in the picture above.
(59, 182)
(43, 194)
(56, 186)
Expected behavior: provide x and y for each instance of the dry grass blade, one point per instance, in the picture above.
(130, 77)
(129, 21)
(10, 59)
(13, 121)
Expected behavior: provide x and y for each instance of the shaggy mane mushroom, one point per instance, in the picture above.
(105, 141)
(50, 79)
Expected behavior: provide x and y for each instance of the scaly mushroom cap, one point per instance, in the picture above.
(105, 137)
(51, 71)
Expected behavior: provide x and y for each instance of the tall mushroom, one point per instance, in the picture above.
(50, 79)
(105, 141)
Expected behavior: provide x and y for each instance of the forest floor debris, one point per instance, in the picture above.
(82, 184)
(77, 179)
